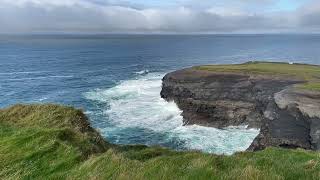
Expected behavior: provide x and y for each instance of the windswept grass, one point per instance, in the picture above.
(308, 73)
(34, 145)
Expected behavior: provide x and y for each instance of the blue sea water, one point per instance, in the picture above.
(116, 79)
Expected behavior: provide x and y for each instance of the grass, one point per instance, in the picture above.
(53, 142)
(305, 72)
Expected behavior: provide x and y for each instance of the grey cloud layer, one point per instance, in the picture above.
(73, 16)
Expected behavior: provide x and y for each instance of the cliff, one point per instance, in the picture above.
(283, 100)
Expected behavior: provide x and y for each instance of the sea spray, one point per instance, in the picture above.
(135, 114)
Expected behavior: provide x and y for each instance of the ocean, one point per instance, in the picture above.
(116, 80)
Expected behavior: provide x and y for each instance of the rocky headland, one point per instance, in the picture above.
(281, 99)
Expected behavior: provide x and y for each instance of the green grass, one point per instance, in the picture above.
(50, 142)
(308, 73)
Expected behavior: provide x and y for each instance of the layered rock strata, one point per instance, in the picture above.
(287, 116)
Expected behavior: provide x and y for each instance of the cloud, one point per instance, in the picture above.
(310, 15)
(83, 16)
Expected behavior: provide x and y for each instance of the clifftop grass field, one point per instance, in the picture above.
(305, 72)
(56, 142)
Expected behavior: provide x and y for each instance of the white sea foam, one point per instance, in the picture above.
(137, 104)
(143, 72)
(43, 99)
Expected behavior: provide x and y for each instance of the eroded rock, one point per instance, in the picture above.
(286, 116)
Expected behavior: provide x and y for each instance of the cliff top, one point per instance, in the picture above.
(44, 116)
(308, 73)
(56, 142)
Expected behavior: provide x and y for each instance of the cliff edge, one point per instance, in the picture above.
(47, 141)
(281, 99)
(69, 125)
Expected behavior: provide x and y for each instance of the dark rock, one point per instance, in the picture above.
(284, 128)
(315, 133)
(286, 117)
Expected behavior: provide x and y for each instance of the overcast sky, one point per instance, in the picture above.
(159, 16)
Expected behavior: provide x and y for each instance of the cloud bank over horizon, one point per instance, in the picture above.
(177, 16)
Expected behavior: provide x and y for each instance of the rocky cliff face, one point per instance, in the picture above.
(287, 117)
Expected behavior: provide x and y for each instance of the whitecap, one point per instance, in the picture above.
(143, 72)
(42, 99)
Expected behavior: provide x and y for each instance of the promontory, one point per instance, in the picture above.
(281, 99)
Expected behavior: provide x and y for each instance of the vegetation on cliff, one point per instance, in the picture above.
(56, 142)
(308, 73)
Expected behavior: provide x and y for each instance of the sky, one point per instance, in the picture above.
(159, 16)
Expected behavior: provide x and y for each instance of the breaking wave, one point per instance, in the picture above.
(143, 72)
(136, 114)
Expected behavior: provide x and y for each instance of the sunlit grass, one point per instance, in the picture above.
(35, 146)
(308, 73)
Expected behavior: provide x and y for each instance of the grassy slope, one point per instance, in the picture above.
(309, 73)
(38, 141)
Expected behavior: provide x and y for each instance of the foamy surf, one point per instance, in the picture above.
(143, 72)
(136, 104)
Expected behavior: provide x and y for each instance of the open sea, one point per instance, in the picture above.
(116, 80)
